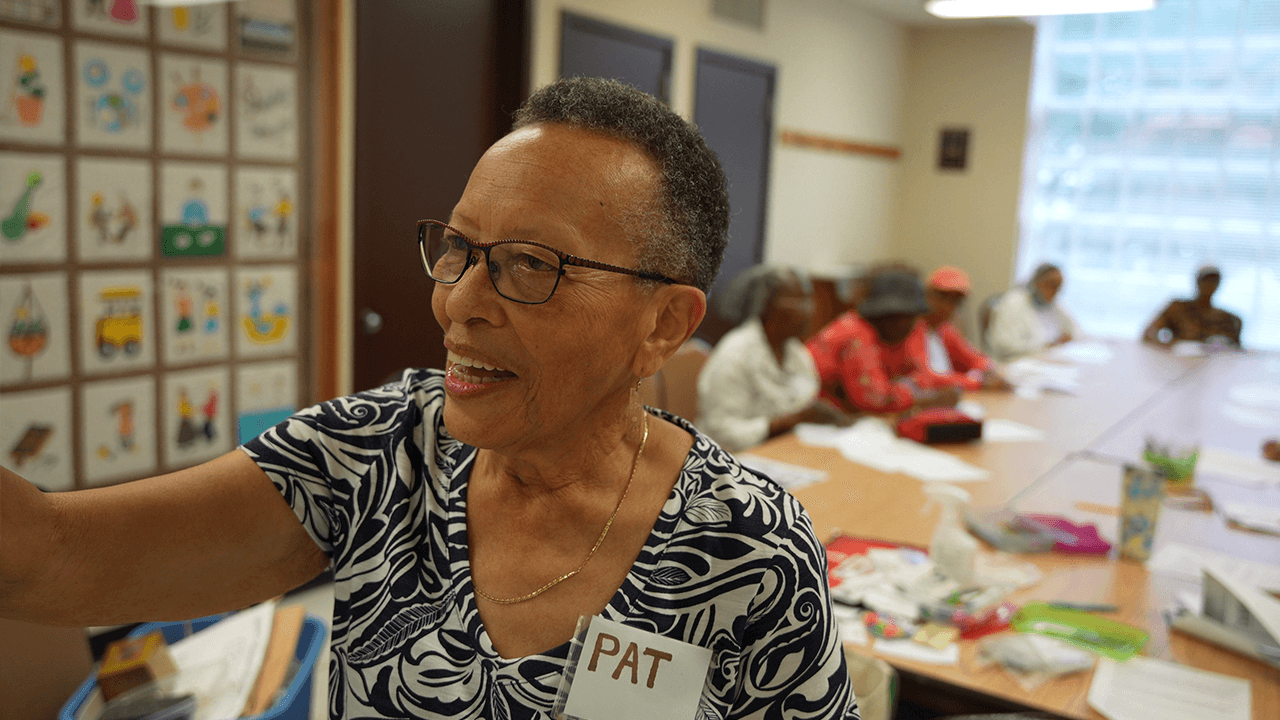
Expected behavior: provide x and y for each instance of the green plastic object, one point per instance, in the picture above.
(1176, 468)
(1104, 636)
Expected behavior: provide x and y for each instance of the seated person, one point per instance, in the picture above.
(471, 515)
(937, 344)
(862, 356)
(760, 380)
(1196, 319)
(1026, 319)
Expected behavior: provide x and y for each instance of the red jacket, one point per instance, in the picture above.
(967, 362)
(859, 372)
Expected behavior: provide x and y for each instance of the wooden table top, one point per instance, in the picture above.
(1142, 391)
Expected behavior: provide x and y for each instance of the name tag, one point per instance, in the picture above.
(615, 672)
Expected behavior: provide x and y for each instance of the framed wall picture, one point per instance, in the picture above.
(953, 149)
(34, 107)
(202, 26)
(113, 96)
(117, 321)
(37, 318)
(193, 209)
(122, 18)
(193, 99)
(194, 315)
(118, 429)
(47, 13)
(266, 112)
(266, 394)
(33, 195)
(195, 416)
(113, 210)
(266, 221)
(36, 436)
(266, 310)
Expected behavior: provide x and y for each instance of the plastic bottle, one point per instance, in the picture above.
(952, 548)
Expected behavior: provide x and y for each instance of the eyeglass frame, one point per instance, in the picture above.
(566, 259)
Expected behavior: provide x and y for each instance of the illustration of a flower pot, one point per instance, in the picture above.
(30, 109)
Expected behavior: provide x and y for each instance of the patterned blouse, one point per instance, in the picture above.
(732, 564)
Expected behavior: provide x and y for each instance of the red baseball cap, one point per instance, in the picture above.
(950, 279)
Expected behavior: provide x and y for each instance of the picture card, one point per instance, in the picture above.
(113, 96)
(266, 394)
(266, 112)
(34, 110)
(113, 210)
(36, 313)
(33, 208)
(193, 92)
(123, 18)
(116, 321)
(34, 12)
(36, 436)
(202, 26)
(194, 316)
(266, 219)
(195, 417)
(193, 209)
(118, 429)
(266, 310)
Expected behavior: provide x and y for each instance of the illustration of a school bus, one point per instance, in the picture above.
(120, 327)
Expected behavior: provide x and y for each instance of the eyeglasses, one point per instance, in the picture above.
(522, 271)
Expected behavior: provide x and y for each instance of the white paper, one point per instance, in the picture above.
(871, 442)
(220, 664)
(1257, 394)
(1251, 469)
(1188, 562)
(1143, 688)
(908, 649)
(1001, 430)
(625, 673)
(852, 628)
(1030, 376)
(790, 477)
(1089, 353)
(1257, 517)
(1188, 348)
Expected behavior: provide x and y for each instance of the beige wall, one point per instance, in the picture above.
(840, 73)
(974, 77)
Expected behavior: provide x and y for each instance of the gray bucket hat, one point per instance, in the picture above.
(893, 292)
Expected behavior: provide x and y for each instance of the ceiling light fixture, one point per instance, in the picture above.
(1027, 8)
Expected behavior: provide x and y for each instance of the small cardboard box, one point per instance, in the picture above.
(134, 661)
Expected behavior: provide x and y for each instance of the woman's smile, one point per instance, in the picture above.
(465, 375)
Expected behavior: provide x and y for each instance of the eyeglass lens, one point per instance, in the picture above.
(519, 271)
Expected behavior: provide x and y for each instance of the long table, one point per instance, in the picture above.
(1141, 391)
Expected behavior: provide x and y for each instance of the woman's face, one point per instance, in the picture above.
(790, 310)
(553, 369)
(1049, 284)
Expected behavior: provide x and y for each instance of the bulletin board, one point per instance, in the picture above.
(153, 259)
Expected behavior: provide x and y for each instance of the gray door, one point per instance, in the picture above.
(733, 107)
(590, 48)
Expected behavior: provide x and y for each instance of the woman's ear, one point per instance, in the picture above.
(677, 310)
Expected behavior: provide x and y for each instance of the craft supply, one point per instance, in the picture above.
(134, 662)
(1084, 607)
(936, 636)
(1107, 637)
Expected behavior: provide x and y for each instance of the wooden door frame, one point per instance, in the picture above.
(331, 204)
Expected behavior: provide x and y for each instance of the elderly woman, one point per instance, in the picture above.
(760, 381)
(472, 516)
(1027, 319)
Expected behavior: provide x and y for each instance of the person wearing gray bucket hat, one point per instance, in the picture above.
(1196, 319)
(863, 359)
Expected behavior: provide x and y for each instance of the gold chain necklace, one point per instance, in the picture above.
(599, 541)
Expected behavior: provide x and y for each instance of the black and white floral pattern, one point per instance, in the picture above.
(732, 564)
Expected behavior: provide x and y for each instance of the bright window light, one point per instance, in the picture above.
(1028, 8)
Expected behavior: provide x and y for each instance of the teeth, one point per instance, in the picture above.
(460, 360)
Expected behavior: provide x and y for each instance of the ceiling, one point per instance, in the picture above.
(911, 12)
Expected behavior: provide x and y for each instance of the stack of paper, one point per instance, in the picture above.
(790, 477)
(1142, 688)
(1088, 353)
(220, 664)
(871, 442)
(1000, 430)
(1188, 562)
(1249, 469)
(1031, 377)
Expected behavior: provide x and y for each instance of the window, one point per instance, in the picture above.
(1153, 147)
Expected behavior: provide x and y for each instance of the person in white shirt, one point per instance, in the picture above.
(1026, 319)
(760, 381)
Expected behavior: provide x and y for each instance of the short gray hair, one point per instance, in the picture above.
(747, 295)
(1044, 269)
(685, 238)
